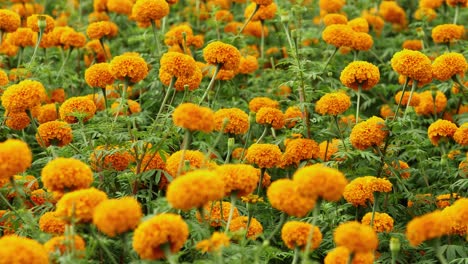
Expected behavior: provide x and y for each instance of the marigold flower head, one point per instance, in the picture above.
(254, 29)
(21, 250)
(22, 37)
(223, 54)
(178, 64)
(445, 200)
(426, 227)
(240, 224)
(129, 107)
(371, 132)
(63, 244)
(359, 24)
(258, 102)
(80, 204)
(382, 222)
(447, 33)
(66, 174)
(193, 117)
(333, 104)
(195, 158)
(291, 115)
(129, 67)
(415, 99)
(212, 213)
(248, 64)
(298, 150)
(224, 16)
(412, 44)
(46, 113)
(393, 13)
(356, 237)
(23, 96)
(338, 35)
(263, 13)
(238, 121)
(51, 223)
(82, 106)
(331, 6)
(457, 215)
(441, 129)
(461, 135)
(296, 234)
(361, 190)
(17, 120)
(270, 116)
(193, 81)
(360, 73)
(341, 255)
(283, 196)
(99, 75)
(330, 151)
(239, 178)
(195, 189)
(150, 236)
(175, 35)
(320, 181)
(10, 21)
(454, 3)
(448, 65)
(412, 64)
(120, 6)
(331, 19)
(15, 158)
(26, 184)
(214, 244)
(426, 105)
(95, 52)
(32, 22)
(362, 41)
(264, 155)
(57, 133)
(423, 13)
(117, 216)
(114, 158)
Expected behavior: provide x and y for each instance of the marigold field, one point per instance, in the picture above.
(233, 131)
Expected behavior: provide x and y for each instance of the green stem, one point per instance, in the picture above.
(283, 218)
(263, 134)
(439, 252)
(167, 252)
(311, 234)
(37, 45)
(339, 132)
(104, 247)
(457, 11)
(262, 41)
(185, 146)
(358, 102)
(231, 211)
(262, 173)
(413, 87)
(257, 7)
(156, 40)
(218, 67)
(101, 41)
(329, 59)
(296, 255)
(20, 56)
(166, 96)
(401, 98)
(374, 207)
(249, 219)
(64, 62)
(104, 93)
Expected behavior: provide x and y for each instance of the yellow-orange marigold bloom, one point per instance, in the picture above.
(441, 129)
(192, 81)
(23, 96)
(177, 64)
(457, 215)
(150, 236)
(225, 55)
(283, 196)
(214, 243)
(114, 158)
(296, 234)
(386, 111)
(333, 104)
(98, 30)
(382, 222)
(264, 155)
(32, 22)
(212, 213)
(434, 4)
(361, 190)
(10, 21)
(17, 121)
(448, 65)
(194, 157)
(21, 250)
(393, 13)
(265, 12)
(97, 16)
(371, 132)
(331, 6)
(62, 244)
(298, 150)
(270, 116)
(15, 158)
(117, 216)
(454, 3)
(291, 115)
(94, 51)
(330, 19)
(131, 107)
(120, 6)
(412, 44)
(240, 224)
(320, 181)
(248, 64)
(194, 118)
(341, 255)
(447, 33)
(362, 41)
(51, 223)
(66, 174)
(129, 67)
(224, 16)
(412, 64)
(3, 79)
(175, 35)
(461, 135)
(426, 227)
(82, 106)
(423, 13)
(237, 124)
(258, 102)
(99, 75)
(359, 24)
(57, 133)
(80, 204)
(23, 37)
(239, 178)
(254, 29)
(338, 35)
(332, 149)
(445, 200)
(195, 189)
(356, 237)
(426, 104)
(415, 99)
(360, 73)
(47, 113)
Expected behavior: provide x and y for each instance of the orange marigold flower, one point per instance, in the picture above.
(360, 73)
(258, 102)
(361, 190)
(263, 13)
(341, 255)
(415, 98)
(240, 224)
(330, 151)
(195, 158)
(239, 178)
(214, 244)
(225, 55)
(224, 16)
(393, 13)
(356, 237)
(283, 196)
(457, 215)
(9, 50)
(461, 135)
(3, 79)
(99, 75)
(40, 197)
(331, 6)
(254, 29)
(66, 243)
(97, 16)
(448, 65)
(55, 133)
(120, 6)
(333, 104)
(80, 204)
(73, 39)
(80, 106)
(23, 96)
(426, 104)
(117, 216)
(193, 117)
(26, 184)
(262, 2)
(386, 111)
(248, 64)
(66, 174)
(51, 223)
(441, 129)
(412, 64)
(131, 107)
(426, 227)
(270, 116)
(447, 199)
(291, 116)
(112, 158)
(237, 124)
(338, 35)
(454, 3)
(33, 22)
(193, 81)
(331, 19)
(177, 64)
(362, 41)
(320, 181)
(298, 150)
(296, 234)
(21, 250)
(359, 24)
(195, 189)
(212, 213)
(17, 121)
(423, 13)
(47, 113)
(150, 236)
(371, 132)
(98, 30)
(447, 33)
(10, 21)
(175, 35)
(382, 222)
(15, 158)
(264, 155)
(129, 67)
(412, 44)
(434, 4)
(23, 37)
(95, 52)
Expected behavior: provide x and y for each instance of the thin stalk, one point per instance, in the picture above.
(438, 251)
(374, 207)
(288, 37)
(339, 132)
(156, 40)
(350, 259)
(262, 173)
(283, 218)
(401, 98)
(263, 134)
(358, 102)
(20, 56)
(249, 219)
(257, 7)
(329, 59)
(311, 234)
(104, 247)
(101, 41)
(185, 146)
(64, 62)
(326, 150)
(296, 255)
(262, 40)
(41, 32)
(231, 211)
(457, 11)
(166, 96)
(413, 87)
(218, 67)
(105, 97)
(167, 252)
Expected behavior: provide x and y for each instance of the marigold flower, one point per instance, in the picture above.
(333, 104)
(131, 107)
(283, 196)
(17, 121)
(99, 75)
(426, 105)
(193, 81)
(238, 121)
(15, 158)
(457, 215)
(270, 116)
(23, 96)
(66, 174)
(393, 13)
(115, 158)
(254, 29)
(415, 99)
(150, 236)
(360, 73)
(10, 21)
(129, 67)
(371, 132)
(298, 150)
(195, 158)
(362, 41)
(224, 16)
(423, 13)
(177, 64)
(117, 216)
(212, 213)
(98, 30)
(214, 244)
(447, 33)
(264, 155)
(461, 135)
(193, 117)
(46, 113)
(95, 52)
(120, 6)
(23, 37)
(454, 3)
(32, 22)
(338, 35)
(426, 227)
(332, 149)
(359, 24)
(258, 102)
(80, 204)
(296, 234)
(412, 44)
(341, 255)
(51, 223)
(82, 106)
(291, 115)
(447, 199)
(331, 6)
(239, 178)
(434, 4)
(55, 133)
(97, 16)
(195, 189)
(265, 12)
(412, 64)
(26, 184)
(175, 35)
(248, 64)
(441, 129)
(240, 224)
(448, 65)
(21, 250)
(62, 244)
(331, 19)
(320, 181)
(361, 189)
(382, 222)
(356, 237)
(223, 54)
